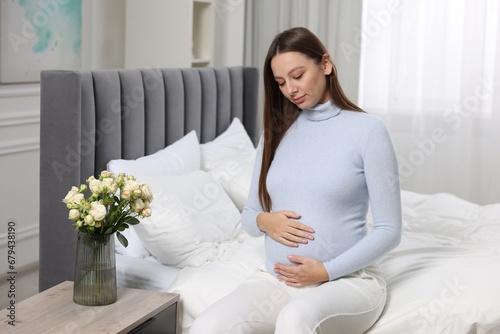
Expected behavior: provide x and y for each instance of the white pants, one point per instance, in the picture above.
(262, 304)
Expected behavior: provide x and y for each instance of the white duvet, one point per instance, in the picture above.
(444, 277)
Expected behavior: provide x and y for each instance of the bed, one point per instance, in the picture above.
(190, 134)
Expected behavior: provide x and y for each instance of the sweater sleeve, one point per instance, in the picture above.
(253, 208)
(382, 180)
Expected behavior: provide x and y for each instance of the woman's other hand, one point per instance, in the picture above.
(304, 272)
(283, 227)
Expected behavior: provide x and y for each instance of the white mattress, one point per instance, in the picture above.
(442, 278)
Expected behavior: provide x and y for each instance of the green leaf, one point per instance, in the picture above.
(133, 221)
(109, 230)
(122, 239)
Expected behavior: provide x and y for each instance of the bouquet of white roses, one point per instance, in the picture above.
(114, 204)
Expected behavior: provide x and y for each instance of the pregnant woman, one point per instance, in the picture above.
(321, 162)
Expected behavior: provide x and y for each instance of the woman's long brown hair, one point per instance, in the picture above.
(279, 112)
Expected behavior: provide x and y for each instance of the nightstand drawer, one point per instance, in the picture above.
(162, 323)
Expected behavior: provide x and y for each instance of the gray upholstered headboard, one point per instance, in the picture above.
(91, 117)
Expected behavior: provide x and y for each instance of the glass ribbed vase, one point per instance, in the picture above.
(95, 270)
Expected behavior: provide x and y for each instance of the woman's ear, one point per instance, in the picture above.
(327, 64)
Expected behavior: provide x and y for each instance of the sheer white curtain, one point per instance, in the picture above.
(431, 70)
(335, 22)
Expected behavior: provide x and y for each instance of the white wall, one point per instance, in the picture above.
(19, 152)
(103, 34)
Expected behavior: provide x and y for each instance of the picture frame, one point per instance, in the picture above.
(37, 35)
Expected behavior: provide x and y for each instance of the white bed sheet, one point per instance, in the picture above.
(442, 278)
(201, 287)
(147, 273)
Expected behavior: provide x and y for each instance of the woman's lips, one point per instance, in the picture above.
(299, 100)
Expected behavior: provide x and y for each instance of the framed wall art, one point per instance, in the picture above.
(37, 35)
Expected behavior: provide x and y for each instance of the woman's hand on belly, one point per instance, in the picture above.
(305, 272)
(282, 227)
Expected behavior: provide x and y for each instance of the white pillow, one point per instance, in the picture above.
(230, 159)
(182, 156)
(135, 247)
(191, 215)
(235, 176)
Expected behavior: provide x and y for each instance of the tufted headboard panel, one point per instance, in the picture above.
(91, 117)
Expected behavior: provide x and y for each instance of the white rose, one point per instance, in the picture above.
(109, 184)
(125, 194)
(89, 220)
(131, 185)
(98, 211)
(138, 205)
(147, 194)
(78, 198)
(146, 212)
(74, 190)
(73, 200)
(74, 214)
(106, 174)
(95, 186)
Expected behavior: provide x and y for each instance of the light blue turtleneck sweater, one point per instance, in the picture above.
(329, 167)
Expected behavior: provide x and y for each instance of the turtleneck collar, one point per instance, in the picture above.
(321, 112)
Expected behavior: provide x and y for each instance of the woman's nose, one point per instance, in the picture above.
(292, 89)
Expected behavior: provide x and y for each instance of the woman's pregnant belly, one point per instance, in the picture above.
(330, 240)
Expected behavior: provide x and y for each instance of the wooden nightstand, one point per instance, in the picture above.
(135, 311)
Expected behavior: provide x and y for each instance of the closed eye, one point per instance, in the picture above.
(281, 84)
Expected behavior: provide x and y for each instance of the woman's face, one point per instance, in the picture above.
(300, 79)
